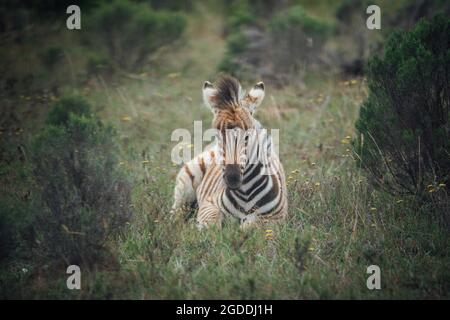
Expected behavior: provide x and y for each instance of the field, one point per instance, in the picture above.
(338, 224)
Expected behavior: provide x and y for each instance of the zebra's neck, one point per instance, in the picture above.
(258, 180)
(249, 196)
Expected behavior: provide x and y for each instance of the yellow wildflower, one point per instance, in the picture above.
(173, 75)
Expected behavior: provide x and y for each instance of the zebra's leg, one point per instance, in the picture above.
(184, 194)
(251, 220)
(208, 214)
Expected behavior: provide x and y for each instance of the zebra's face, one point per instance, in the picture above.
(233, 119)
(233, 146)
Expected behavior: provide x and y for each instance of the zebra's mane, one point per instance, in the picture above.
(229, 92)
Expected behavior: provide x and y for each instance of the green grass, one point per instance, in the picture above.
(338, 223)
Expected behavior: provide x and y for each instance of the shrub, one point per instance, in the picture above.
(298, 38)
(176, 5)
(67, 106)
(355, 42)
(276, 49)
(84, 197)
(411, 11)
(233, 61)
(51, 55)
(13, 224)
(98, 64)
(18, 207)
(249, 11)
(53, 8)
(13, 21)
(404, 124)
(130, 32)
(241, 18)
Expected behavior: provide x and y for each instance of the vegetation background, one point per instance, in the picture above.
(85, 170)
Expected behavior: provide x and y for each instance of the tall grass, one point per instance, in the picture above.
(338, 223)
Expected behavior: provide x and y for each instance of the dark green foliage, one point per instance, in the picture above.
(15, 15)
(411, 11)
(98, 64)
(232, 62)
(297, 17)
(249, 13)
(241, 17)
(404, 124)
(84, 197)
(130, 32)
(356, 41)
(16, 226)
(69, 193)
(51, 55)
(289, 40)
(13, 20)
(54, 8)
(67, 106)
(175, 5)
(248, 44)
(350, 9)
(298, 37)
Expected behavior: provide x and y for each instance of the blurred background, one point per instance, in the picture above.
(85, 127)
(274, 40)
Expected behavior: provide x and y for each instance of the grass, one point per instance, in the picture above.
(338, 223)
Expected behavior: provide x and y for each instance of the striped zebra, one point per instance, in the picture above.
(239, 174)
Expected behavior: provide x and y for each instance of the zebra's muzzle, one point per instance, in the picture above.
(233, 176)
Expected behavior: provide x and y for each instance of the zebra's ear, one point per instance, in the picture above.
(209, 95)
(254, 97)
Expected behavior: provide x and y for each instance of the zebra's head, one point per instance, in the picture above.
(233, 111)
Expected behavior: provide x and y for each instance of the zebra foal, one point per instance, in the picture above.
(239, 174)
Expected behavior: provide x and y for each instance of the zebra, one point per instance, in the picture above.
(229, 178)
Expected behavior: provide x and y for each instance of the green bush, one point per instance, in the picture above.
(84, 197)
(175, 5)
(250, 11)
(355, 43)
(18, 206)
(298, 38)
(98, 64)
(45, 9)
(130, 32)
(241, 18)
(271, 39)
(67, 106)
(404, 124)
(232, 62)
(16, 227)
(51, 55)
(411, 11)
(240, 15)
